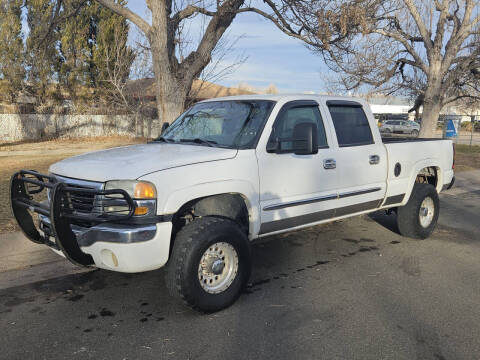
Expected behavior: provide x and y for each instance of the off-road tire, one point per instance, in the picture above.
(408, 216)
(190, 244)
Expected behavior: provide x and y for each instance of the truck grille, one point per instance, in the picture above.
(82, 202)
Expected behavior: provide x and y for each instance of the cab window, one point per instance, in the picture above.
(351, 125)
(288, 119)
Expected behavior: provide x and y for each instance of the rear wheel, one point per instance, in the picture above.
(210, 264)
(418, 218)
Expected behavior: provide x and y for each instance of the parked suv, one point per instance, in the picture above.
(400, 127)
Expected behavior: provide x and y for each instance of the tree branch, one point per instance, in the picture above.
(191, 10)
(128, 14)
(407, 46)
(279, 24)
(458, 97)
(424, 32)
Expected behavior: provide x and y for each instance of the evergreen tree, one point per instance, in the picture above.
(93, 50)
(42, 56)
(75, 48)
(12, 71)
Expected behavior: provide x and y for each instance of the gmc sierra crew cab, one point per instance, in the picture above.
(226, 172)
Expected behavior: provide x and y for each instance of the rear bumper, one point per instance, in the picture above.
(450, 185)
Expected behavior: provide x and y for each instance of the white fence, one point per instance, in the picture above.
(18, 127)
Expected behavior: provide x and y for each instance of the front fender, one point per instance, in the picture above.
(180, 197)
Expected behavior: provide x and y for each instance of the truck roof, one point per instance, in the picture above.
(286, 97)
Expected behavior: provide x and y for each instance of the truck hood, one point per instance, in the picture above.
(132, 162)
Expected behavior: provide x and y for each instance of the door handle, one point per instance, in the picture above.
(329, 164)
(374, 159)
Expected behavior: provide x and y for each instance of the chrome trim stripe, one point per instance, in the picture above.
(108, 232)
(300, 202)
(295, 221)
(319, 199)
(77, 182)
(359, 192)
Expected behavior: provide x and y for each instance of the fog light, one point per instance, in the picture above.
(141, 210)
(109, 258)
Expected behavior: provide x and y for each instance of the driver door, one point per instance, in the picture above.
(296, 190)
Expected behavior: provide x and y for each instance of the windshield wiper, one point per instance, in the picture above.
(200, 141)
(161, 138)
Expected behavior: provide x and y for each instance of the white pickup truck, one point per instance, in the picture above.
(228, 171)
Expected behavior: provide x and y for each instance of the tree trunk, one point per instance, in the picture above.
(170, 99)
(432, 101)
(430, 114)
(169, 110)
(170, 92)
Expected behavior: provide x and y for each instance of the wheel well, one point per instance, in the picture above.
(231, 206)
(428, 175)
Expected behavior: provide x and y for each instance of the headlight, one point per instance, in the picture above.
(143, 193)
(136, 189)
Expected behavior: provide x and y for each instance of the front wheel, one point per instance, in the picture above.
(210, 264)
(414, 133)
(418, 218)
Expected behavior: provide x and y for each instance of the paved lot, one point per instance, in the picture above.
(354, 289)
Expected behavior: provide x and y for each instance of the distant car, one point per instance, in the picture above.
(400, 127)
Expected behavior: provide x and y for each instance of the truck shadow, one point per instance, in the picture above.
(389, 222)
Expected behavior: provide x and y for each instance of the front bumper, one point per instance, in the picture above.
(133, 257)
(90, 237)
(120, 247)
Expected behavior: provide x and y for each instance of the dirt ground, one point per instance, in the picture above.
(40, 155)
(467, 157)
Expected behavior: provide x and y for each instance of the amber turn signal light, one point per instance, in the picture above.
(141, 210)
(144, 190)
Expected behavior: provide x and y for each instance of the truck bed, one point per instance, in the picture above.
(411, 155)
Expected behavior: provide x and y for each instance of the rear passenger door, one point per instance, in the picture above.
(361, 158)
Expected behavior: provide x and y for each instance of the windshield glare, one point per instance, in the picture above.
(233, 124)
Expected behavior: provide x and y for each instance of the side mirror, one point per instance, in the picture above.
(305, 139)
(165, 125)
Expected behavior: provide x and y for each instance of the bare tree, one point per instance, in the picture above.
(118, 60)
(425, 48)
(220, 67)
(175, 71)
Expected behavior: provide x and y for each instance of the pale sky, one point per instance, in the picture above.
(273, 57)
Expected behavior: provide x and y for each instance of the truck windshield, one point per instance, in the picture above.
(231, 124)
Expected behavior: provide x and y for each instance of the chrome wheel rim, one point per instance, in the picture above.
(427, 211)
(218, 267)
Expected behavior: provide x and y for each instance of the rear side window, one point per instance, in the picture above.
(287, 120)
(351, 125)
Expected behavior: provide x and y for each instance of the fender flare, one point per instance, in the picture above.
(422, 164)
(243, 188)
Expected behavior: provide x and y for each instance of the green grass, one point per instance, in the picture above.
(467, 149)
